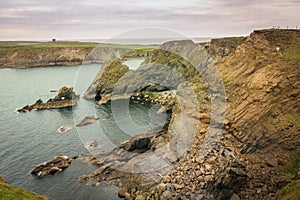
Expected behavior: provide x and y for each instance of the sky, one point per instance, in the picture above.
(92, 19)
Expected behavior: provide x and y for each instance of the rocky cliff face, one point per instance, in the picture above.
(256, 154)
(62, 56)
(258, 150)
(44, 57)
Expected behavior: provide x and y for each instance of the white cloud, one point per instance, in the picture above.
(102, 18)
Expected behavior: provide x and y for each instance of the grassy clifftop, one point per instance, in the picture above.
(37, 54)
(8, 192)
(6, 47)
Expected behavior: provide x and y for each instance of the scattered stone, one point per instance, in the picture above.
(170, 186)
(271, 162)
(140, 197)
(167, 179)
(208, 167)
(212, 160)
(235, 197)
(167, 195)
(127, 196)
(204, 118)
(162, 187)
(177, 186)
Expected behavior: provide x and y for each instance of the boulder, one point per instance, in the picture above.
(63, 128)
(93, 143)
(138, 144)
(87, 120)
(121, 192)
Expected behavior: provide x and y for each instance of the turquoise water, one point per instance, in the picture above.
(28, 139)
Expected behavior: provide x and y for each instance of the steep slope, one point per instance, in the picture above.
(259, 151)
(8, 192)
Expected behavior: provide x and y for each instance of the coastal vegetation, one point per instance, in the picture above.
(9, 192)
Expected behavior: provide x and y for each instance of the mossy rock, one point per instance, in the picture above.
(289, 192)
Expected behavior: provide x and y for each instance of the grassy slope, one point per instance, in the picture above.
(8, 192)
(290, 192)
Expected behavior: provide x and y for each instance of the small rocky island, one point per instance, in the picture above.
(59, 163)
(65, 98)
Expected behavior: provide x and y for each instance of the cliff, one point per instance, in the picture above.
(259, 149)
(257, 153)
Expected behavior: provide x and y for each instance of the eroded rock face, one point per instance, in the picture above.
(162, 70)
(261, 126)
(65, 98)
(59, 163)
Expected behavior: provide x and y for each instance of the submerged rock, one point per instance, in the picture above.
(93, 143)
(64, 128)
(65, 98)
(59, 163)
(87, 120)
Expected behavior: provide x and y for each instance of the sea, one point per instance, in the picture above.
(29, 139)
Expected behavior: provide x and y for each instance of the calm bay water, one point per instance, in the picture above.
(28, 139)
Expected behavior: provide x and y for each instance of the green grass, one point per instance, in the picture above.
(8, 192)
(6, 47)
(290, 192)
(293, 165)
